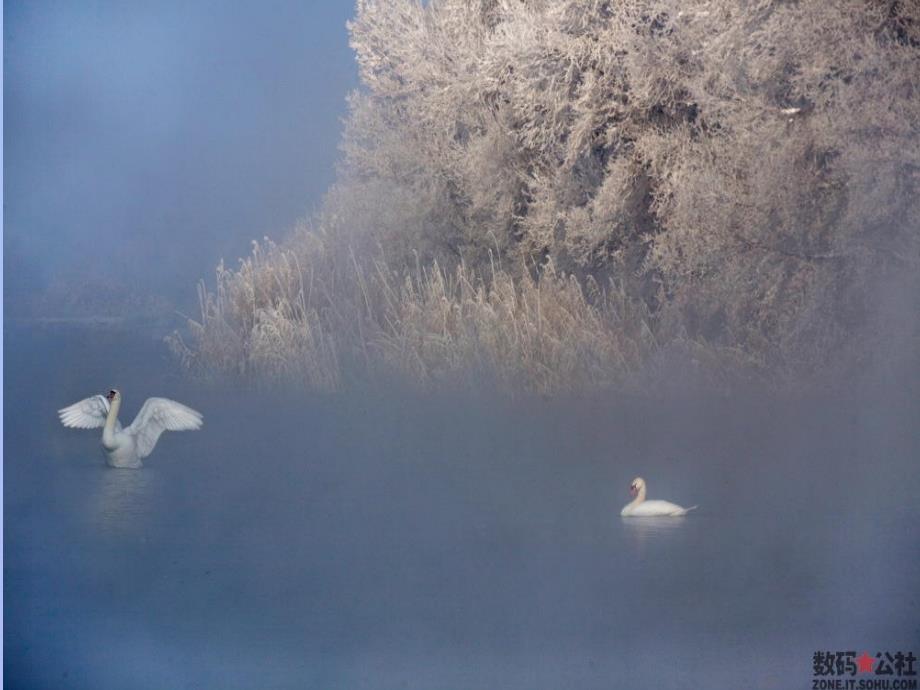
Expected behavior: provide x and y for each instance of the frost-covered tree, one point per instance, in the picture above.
(748, 169)
(563, 192)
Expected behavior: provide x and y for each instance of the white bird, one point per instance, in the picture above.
(639, 507)
(126, 447)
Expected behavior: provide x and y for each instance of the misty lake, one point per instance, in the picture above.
(399, 540)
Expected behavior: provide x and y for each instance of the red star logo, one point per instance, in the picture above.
(865, 663)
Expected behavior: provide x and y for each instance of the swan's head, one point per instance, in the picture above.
(113, 395)
(637, 486)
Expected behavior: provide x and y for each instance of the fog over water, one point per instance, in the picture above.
(383, 537)
(391, 539)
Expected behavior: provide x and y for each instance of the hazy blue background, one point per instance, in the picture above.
(378, 539)
(145, 141)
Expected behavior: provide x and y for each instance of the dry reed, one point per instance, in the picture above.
(318, 319)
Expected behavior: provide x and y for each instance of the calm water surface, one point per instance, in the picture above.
(398, 541)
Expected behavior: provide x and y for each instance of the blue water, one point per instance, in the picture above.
(396, 540)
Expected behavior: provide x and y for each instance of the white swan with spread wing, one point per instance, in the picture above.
(639, 507)
(127, 447)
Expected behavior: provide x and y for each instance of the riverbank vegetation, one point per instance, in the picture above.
(559, 195)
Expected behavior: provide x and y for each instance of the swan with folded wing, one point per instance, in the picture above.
(127, 447)
(639, 507)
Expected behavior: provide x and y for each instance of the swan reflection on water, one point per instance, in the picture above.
(654, 525)
(121, 501)
(651, 530)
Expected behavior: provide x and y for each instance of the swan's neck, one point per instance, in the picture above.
(639, 497)
(108, 431)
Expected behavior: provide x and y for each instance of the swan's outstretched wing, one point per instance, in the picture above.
(86, 414)
(159, 415)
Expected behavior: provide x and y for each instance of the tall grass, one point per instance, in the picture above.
(322, 319)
